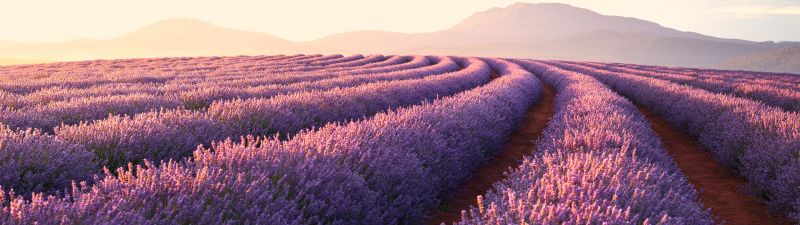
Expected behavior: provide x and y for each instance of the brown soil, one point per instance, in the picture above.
(494, 75)
(719, 188)
(519, 144)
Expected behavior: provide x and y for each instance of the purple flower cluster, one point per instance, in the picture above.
(760, 142)
(764, 87)
(341, 59)
(57, 94)
(288, 114)
(173, 134)
(206, 94)
(598, 161)
(81, 75)
(50, 107)
(780, 79)
(385, 170)
(31, 161)
(157, 136)
(74, 111)
(160, 135)
(226, 140)
(345, 64)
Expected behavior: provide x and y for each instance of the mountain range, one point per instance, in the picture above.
(542, 31)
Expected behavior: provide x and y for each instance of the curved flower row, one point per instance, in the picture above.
(760, 142)
(385, 170)
(28, 78)
(173, 134)
(598, 161)
(78, 110)
(291, 113)
(53, 94)
(32, 161)
(168, 72)
(774, 93)
(777, 79)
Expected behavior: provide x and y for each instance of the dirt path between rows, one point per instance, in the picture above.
(519, 144)
(719, 188)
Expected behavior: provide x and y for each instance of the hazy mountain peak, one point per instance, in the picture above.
(179, 28)
(544, 21)
(524, 30)
(171, 37)
(546, 7)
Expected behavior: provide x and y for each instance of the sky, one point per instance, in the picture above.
(303, 20)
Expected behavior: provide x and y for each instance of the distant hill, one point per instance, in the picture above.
(174, 37)
(543, 31)
(556, 31)
(784, 60)
(610, 46)
(524, 22)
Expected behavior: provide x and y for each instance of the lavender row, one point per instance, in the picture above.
(338, 60)
(32, 78)
(203, 96)
(284, 77)
(45, 96)
(32, 161)
(314, 64)
(184, 75)
(329, 65)
(749, 87)
(291, 113)
(778, 77)
(160, 65)
(742, 78)
(312, 60)
(88, 109)
(758, 141)
(48, 95)
(47, 117)
(173, 134)
(783, 81)
(182, 88)
(346, 65)
(365, 61)
(391, 60)
(598, 162)
(93, 108)
(386, 170)
(23, 79)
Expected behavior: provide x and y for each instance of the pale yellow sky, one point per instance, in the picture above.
(300, 20)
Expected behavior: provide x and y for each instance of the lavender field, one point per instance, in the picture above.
(395, 139)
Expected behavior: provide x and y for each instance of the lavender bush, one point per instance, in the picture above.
(389, 137)
(758, 86)
(291, 113)
(54, 106)
(31, 161)
(162, 135)
(760, 142)
(173, 134)
(597, 162)
(385, 170)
